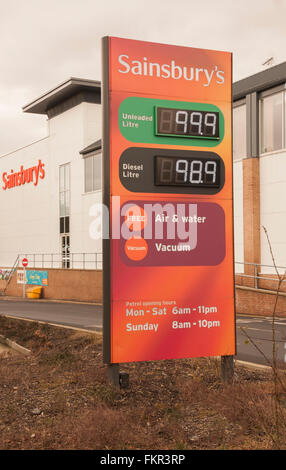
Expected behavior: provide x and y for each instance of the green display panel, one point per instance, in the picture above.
(191, 124)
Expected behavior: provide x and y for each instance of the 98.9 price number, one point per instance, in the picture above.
(192, 172)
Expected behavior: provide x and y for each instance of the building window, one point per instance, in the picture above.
(64, 198)
(272, 122)
(65, 213)
(65, 242)
(92, 172)
(239, 132)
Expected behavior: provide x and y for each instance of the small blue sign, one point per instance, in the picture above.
(37, 278)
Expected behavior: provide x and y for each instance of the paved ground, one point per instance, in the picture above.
(77, 315)
(260, 331)
(89, 316)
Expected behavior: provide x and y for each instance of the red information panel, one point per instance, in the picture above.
(167, 168)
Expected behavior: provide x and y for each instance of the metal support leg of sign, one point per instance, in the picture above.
(112, 371)
(227, 369)
(117, 378)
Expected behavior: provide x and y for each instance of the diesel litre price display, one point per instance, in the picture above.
(176, 171)
(187, 123)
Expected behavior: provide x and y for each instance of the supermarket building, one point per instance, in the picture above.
(50, 189)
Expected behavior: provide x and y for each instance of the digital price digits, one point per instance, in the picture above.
(187, 123)
(176, 171)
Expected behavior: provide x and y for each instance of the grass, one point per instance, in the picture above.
(58, 398)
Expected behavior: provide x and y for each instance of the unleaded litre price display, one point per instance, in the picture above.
(187, 123)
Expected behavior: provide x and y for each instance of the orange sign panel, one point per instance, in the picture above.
(167, 152)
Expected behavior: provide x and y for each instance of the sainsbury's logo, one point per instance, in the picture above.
(171, 70)
(23, 176)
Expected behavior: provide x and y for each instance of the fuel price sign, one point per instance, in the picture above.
(167, 179)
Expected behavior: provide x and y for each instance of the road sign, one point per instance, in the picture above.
(167, 157)
(25, 262)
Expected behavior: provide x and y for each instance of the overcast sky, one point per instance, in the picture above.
(45, 42)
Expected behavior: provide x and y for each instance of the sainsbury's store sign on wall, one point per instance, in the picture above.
(23, 175)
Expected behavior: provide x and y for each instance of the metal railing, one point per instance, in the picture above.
(10, 275)
(257, 274)
(95, 261)
(67, 261)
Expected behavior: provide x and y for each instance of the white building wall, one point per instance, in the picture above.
(82, 204)
(27, 211)
(92, 122)
(238, 215)
(273, 209)
(30, 214)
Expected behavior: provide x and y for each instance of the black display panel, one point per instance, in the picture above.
(188, 172)
(140, 171)
(187, 123)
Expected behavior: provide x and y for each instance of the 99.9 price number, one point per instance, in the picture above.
(187, 123)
